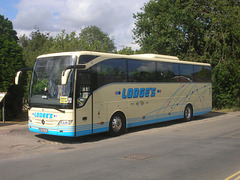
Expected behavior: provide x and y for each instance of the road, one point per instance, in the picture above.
(205, 148)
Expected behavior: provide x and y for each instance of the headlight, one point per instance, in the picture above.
(65, 122)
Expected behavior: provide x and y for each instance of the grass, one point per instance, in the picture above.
(226, 110)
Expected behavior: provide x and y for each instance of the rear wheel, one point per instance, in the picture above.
(117, 125)
(188, 113)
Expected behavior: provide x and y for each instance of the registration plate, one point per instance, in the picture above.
(44, 130)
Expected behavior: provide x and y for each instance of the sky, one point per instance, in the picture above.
(112, 16)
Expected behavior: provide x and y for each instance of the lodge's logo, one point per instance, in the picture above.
(43, 115)
(137, 92)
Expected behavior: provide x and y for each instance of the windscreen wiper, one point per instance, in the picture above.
(62, 111)
(58, 109)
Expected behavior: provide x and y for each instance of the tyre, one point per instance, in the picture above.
(117, 125)
(188, 113)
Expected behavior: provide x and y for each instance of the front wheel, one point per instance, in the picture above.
(117, 125)
(188, 113)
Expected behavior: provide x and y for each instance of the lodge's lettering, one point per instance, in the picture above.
(138, 92)
(43, 115)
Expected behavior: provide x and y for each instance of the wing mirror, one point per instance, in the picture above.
(17, 77)
(20, 72)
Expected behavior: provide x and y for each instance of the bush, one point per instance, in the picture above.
(226, 85)
(10, 61)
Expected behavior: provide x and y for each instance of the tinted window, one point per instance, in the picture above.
(167, 72)
(109, 71)
(83, 88)
(202, 73)
(86, 58)
(186, 73)
(141, 71)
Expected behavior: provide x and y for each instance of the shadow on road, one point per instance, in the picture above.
(103, 136)
(74, 140)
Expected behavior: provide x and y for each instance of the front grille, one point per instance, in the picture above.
(47, 122)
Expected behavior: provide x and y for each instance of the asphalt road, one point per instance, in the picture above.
(205, 148)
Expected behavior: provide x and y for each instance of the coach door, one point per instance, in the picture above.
(83, 103)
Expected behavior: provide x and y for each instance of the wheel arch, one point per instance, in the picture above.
(124, 126)
(189, 104)
(118, 112)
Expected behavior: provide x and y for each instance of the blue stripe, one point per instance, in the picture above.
(144, 122)
(57, 131)
(99, 130)
(83, 133)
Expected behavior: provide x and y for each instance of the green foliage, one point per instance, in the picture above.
(6, 29)
(226, 85)
(39, 86)
(96, 40)
(10, 61)
(126, 51)
(37, 44)
(196, 30)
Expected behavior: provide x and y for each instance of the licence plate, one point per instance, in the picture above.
(44, 130)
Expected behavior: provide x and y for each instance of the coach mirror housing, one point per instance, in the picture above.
(65, 75)
(66, 72)
(20, 72)
(17, 77)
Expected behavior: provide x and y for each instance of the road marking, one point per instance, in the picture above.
(235, 176)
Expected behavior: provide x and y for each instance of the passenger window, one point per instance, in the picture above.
(167, 72)
(141, 71)
(202, 73)
(186, 73)
(110, 71)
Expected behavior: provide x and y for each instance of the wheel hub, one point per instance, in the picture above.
(116, 124)
(188, 113)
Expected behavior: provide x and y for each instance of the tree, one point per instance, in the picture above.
(10, 61)
(189, 27)
(97, 40)
(6, 29)
(126, 50)
(37, 44)
(64, 42)
(196, 30)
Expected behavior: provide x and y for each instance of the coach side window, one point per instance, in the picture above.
(109, 71)
(141, 71)
(202, 73)
(167, 72)
(186, 73)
